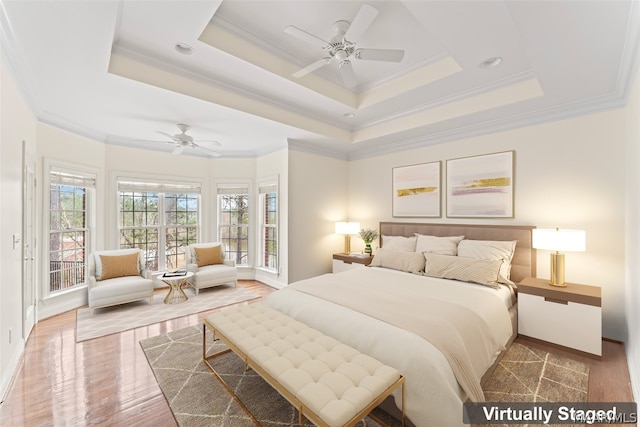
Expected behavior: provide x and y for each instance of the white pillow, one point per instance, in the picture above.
(412, 262)
(482, 271)
(491, 249)
(438, 245)
(399, 243)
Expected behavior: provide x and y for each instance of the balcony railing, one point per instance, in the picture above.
(65, 274)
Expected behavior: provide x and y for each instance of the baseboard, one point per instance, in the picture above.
(634, 374)
(9, 374)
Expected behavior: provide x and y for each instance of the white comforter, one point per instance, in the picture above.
(433, 396)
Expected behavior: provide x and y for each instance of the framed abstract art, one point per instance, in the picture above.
(480, 186)
(416, 190)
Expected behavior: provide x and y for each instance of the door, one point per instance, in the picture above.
(29, 294)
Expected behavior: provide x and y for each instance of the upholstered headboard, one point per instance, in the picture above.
(524, 260)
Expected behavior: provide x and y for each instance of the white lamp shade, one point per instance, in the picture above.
(559, 240)
(347, 228)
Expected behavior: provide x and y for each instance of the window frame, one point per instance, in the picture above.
(235, 187)
(268, 185)
(162, 189)
(75, 176)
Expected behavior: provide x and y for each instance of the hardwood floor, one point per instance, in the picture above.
(107, 380)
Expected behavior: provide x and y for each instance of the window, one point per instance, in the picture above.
(70, 194)
(161, 219)
(268, 198)
(233, 221)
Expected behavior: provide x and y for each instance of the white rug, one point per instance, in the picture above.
(110, 320)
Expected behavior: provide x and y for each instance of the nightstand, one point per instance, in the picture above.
(569, 316)
(344, 262)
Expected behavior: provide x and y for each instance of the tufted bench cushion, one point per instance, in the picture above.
(329, 382)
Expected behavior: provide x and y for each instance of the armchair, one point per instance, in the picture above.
(117, 277)
(206, 261)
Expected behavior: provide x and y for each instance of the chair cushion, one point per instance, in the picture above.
(119, 266)
(218, 273)
(120, 289)
(208, 255)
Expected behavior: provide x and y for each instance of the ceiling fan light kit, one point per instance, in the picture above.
(183, 141)
(342, 48)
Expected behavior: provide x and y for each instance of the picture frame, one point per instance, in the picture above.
(416, 190)
(481, 186)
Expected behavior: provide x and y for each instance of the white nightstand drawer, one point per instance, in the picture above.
(339, 266)
(566, 323)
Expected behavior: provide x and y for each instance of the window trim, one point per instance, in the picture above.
(162, 186)
(267, 184)
(88, 175)
(223, 186)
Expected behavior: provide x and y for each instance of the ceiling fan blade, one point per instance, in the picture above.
(211, 142)
(361, 22)
(209, 151)
(178, 150)
(311, 67)
(391, 55)
(168, 135)
(307, 37)
(348, 76)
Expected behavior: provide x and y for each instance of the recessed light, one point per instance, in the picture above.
(183, 48)
(491, 62)
(349, 115)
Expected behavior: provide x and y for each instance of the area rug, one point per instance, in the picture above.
(118, 318)
(527, 374)
(197, 398)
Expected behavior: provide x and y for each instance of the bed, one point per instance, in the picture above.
(443, 334)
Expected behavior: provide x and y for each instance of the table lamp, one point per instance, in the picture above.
(348, 229)
(558, 240)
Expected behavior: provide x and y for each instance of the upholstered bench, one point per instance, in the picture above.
(329, 383)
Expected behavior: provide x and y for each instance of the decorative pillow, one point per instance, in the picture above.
(208, 255)
(399, 243)
(438, 245)
(112, 252)
(411, 262)
(491, 249)
(119, 266)
(481, 271)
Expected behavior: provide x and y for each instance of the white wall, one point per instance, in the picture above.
(633, 238)
(18, 125)
(318, 196)
(568, 174)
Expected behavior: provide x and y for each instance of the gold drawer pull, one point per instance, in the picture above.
(557, 301)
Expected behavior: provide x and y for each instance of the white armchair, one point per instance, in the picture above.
(117, 277)
(210, 268)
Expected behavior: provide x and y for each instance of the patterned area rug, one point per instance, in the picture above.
(197, 398)
(529, 375)
(118, 318)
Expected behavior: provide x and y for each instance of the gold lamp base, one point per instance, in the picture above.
(557, 270)
(347, 244)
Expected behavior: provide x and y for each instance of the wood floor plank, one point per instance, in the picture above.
(108, 381)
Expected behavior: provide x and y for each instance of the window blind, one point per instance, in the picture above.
(233, 189)
(61, 176)
(268, 188)
(158, 187)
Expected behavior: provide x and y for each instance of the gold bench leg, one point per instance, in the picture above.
(206, 358)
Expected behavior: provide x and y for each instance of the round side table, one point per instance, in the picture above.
(176, 295)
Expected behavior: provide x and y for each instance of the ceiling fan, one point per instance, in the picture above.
(342, 48)
(183, 141)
